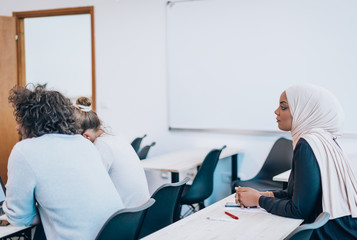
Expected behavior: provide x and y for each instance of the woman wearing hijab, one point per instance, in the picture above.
(321, 178)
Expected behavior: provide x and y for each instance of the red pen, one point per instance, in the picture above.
(231, 215)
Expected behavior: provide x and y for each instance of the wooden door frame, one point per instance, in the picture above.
(20, 28)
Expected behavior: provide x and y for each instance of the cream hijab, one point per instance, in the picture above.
(318, 118)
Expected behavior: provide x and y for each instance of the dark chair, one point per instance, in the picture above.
(136, 143)
(161, 214)
(145, 150)
(202, 185)
(125, 223)
(39, 233)
(279, 160)
(304, 231)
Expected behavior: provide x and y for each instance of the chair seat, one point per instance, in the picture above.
(260, 185)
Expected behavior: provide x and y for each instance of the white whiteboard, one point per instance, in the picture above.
(229, 60)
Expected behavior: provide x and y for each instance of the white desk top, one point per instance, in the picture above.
(251, 225)
(183, 160)
(282, 177)
(10, 229)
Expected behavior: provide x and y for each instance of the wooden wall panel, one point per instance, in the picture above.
(8, 79)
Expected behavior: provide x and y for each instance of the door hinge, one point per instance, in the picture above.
(16, 37)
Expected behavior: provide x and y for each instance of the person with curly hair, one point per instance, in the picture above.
(54, 173)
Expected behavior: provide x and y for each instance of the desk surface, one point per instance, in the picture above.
(284, 177)
(251, 225)
(10, 229)
(183, 160)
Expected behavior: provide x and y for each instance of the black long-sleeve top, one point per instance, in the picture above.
(303, 197)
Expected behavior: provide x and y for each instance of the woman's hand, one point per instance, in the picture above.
(247, 197)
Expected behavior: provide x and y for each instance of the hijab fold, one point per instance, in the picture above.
(318, 118)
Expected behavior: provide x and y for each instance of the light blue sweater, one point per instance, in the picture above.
(66, 177)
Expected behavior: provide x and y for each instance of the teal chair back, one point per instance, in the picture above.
(136, 143)
(125, 223)
(161, 214)
(304, 231)
(202, 185)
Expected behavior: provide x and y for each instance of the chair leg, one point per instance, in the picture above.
(192, 209)
(39, 233)
(201, 205)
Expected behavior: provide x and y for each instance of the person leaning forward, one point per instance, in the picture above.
(56, 168)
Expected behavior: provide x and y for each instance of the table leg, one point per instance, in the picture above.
(174, 177)
(234, 167)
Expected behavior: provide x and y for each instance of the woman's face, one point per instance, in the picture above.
(283, 115)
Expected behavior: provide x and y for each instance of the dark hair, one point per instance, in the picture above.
(41, 111)
(86, 119)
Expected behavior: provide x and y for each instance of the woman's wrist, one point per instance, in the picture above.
(258, 200)
(267, 194)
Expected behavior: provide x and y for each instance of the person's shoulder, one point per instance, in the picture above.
(104, 141)
(304, 148)
(302, 143)
(111, 139)
(21, 144)
(24, 143)
(24, 147)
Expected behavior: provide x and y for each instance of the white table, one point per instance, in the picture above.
(251, 225)
(183, 160)
(8, 231)
(282, 177)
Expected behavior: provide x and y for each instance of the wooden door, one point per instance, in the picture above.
(8, 79)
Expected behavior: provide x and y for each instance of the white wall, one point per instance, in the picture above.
(131, 79)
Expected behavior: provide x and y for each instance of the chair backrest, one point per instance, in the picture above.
(279, 160)
(305, 230)
(136, 143)
(145, 150)
(202, 185)
(125, 223)
(161, 214)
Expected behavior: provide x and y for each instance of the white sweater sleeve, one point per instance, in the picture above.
(19, 205)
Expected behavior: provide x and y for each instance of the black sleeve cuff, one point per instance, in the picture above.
(280, 194)
(266, 202)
